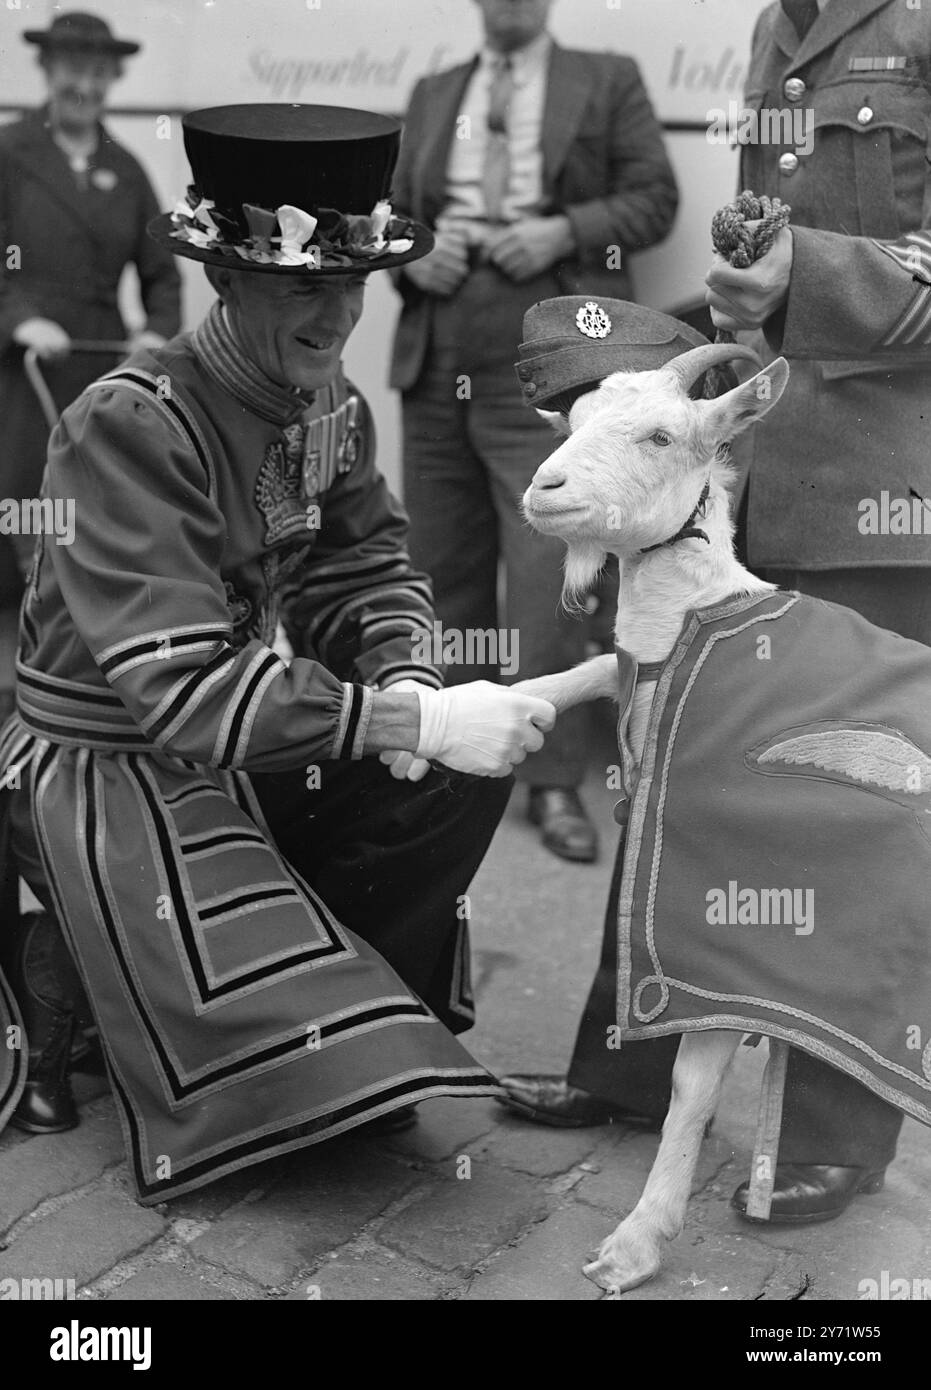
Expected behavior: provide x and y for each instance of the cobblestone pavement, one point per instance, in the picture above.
(473, 1203)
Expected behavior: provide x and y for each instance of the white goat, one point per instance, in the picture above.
(633, 469)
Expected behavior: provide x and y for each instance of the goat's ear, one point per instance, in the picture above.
(746, 404)
(555, 420)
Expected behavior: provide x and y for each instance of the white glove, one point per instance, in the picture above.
(480, 727)
(401, 764)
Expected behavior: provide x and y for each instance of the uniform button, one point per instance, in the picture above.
(788, 163)
(525, 373)
(865, 115)
(530, 389)
(794, 89)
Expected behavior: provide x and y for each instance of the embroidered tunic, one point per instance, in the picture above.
(777, 870)
(240, 1017)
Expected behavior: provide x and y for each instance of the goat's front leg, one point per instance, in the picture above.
(591, 680)
(633, 1252)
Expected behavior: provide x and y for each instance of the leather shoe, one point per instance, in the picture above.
(812, 1192)
(550, 1100)
(45, 1108)
(567, 831)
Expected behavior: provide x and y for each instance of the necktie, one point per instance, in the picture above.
(496, 170)
(802, 13)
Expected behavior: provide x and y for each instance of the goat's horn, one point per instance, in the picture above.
(694, 363)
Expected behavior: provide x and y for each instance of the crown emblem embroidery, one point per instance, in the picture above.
(278, 488)
(592, 320)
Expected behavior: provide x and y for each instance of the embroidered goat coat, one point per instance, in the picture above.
(777, 867)
(240, 1017)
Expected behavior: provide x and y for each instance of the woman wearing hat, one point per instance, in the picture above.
(74, 204)
(271, 923)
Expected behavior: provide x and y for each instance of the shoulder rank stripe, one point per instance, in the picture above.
(912, 252)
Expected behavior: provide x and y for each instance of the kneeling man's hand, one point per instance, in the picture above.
(401, 764)
(480, 727)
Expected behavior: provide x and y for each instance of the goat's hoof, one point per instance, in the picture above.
(623, 1264)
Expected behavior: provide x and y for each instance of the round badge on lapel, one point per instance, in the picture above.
(592, 320)
(104, 179)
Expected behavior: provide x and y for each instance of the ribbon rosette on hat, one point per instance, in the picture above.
(263, 225)
(280, 237)
(297, 227)
(367, 234)
(194, 222)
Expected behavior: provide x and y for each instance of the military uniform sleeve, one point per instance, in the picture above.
(857, 297)
(360, 602)
(641, 204)
(142, 584)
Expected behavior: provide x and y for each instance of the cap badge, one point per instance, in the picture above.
(592, 320)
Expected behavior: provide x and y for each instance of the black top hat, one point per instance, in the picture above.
(291, 189)
(78, 32)
(574, 342)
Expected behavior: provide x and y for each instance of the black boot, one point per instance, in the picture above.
(43, 979)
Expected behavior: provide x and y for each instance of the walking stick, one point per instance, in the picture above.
(742, 245)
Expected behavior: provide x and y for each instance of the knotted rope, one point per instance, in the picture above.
(741, 245)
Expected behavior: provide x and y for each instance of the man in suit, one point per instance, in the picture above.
(845, 295)
(540, 169)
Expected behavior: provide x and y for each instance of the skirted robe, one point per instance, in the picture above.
(239, 1017)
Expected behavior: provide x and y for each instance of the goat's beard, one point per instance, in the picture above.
(584, 562)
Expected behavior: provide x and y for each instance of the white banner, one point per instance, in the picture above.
(363, 53)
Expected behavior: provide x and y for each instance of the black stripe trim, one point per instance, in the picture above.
(252, 1149)
(107, 738)
(262, 670)
(275, 895)
(175, 798)
(175, 410)
(192, 843)
(364, 574)
(352, 723)
(190, 686)
(207, 992)
(413, 669)
(101, 697)
(179, 1090)
(178, 644)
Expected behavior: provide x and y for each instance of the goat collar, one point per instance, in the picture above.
(686, 529)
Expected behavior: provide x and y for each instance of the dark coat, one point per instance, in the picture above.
(856, 418)
(73, 246)
(604, 166)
